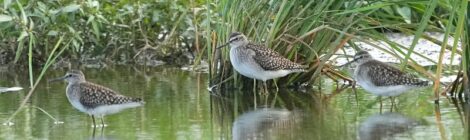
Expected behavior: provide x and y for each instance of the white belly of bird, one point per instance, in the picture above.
(102, 110)
(257, 73)
(75, 101)
(384, 90)
(249, 68)
(254, 71)
(76, 104)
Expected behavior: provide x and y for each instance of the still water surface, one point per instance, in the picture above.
(179, 106)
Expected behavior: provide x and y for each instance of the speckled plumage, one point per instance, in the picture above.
(272, 60)
(94, 95)
(257, 61)
(385, 75)
(94, 99)
(383, 79)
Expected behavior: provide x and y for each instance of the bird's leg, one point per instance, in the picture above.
(265, 87)
(254, 91)
(266, 93)
(395, 106)
(93, 118)
(380, 99)
(94, 130)
(355, 93)
(102, 122)
(353, 83)
(254, 86)
(274, 99)
(102, 131)
(266, 97)
(275, 84)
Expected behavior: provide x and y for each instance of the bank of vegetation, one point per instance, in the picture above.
(38, 34)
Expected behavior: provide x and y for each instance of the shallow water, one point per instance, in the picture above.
(179, 106)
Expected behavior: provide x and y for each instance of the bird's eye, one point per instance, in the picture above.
(235, 39)
(70, 75)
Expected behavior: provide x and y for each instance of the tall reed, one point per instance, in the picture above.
(291, 28)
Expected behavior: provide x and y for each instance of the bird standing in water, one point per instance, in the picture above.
(94, 99)
(382, 79)
(257, 61)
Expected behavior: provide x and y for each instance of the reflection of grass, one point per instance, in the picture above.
(49, 115)
(50, 60)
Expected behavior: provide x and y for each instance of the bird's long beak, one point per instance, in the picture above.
(56, 79)
(221, 46)
(354, 60)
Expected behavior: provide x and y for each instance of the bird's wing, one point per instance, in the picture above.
(95, 95)
(382, 74)
(272, 60)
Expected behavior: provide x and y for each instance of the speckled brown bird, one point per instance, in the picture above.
(382, 79)
(257, 61)
(94, 99)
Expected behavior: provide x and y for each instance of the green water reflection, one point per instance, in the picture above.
(179, 106)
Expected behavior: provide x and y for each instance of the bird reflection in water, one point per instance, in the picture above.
(98, 134)
(265, 123)
(385, 126)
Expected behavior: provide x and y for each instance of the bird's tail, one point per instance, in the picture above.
(422, 83)
(300, 68)
(139, 100)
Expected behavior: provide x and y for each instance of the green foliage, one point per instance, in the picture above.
(292, 28)
(98, 29)
(307, 32)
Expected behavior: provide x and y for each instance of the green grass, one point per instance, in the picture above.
(289, 27)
